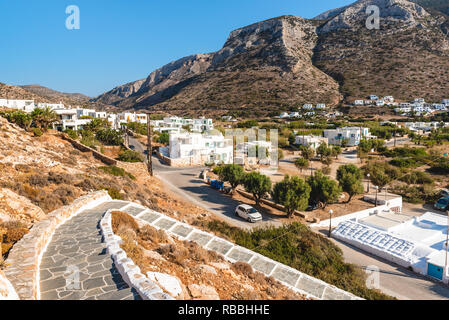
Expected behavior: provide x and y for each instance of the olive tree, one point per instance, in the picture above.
(293, 193)
(257, 184)
(350, 179)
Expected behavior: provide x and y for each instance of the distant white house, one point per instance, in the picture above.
(352, 135)
(311, 141)
(321, 106)
(388, 99)
(284, 115)
(308, 106)
(22, 105)
(294, 115)
(445, 102)
(359, 102)
(52, 106)
(380, 103)
(127, 117)
(373, 97)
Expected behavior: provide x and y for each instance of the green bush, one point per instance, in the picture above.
(130, 156)
(37, 132)
(72, 134)
(116, 171)
(115, 193)
(109, 137)
(302, 249)
(441, 166)
(417, 177)
(404, 163)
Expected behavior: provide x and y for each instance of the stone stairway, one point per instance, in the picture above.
(75, 265)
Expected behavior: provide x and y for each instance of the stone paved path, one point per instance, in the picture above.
(77, 245)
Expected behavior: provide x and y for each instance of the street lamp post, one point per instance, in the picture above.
(330, 222)
(447, 243)
(368, 176)
(377, 189)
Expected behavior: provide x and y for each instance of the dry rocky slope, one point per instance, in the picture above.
(286, 61)
(53, 95)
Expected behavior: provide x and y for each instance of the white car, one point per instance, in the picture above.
(248, 213)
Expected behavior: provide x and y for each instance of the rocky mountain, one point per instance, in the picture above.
(407, 57)
(284, 62)
(56, 96)
(264, 66)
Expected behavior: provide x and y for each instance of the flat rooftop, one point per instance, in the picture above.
(385, 220)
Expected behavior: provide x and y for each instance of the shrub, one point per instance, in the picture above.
(122, 219)
(115, 193)
(109, 137)
(404, 163)
(148, 233)
(38, 180)
(417, 177)
(37, 132)
(116, 171)
(130, 156)
(300, 248)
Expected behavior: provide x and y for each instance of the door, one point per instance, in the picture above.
(435, 271)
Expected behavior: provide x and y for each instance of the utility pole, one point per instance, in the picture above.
(149, 147)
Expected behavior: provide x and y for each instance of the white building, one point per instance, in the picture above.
(308, 106)
(311, 141)
(445, 102)
(380, 103)
(22, 105)
(190, 149)
(294, 115)
(127, 117)
(373, 97)
(175, 124)
(353, 135)
(284, 115)
(52, 106)
(388, 99)
(321, 106)
(359, 102)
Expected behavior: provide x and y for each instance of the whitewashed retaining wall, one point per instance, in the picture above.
(7, 291)
(129, 271)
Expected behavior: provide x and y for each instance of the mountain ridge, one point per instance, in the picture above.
(284, 62)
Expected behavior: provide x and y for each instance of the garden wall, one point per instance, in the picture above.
(106, 160)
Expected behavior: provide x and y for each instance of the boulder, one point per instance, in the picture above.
(203, 292)
(170, 284)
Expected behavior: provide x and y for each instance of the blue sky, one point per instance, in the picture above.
(121, 41)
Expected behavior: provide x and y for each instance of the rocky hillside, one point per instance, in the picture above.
(262, 67)
(15, 92)
(281, 63)
(56, 96)
(391, 61)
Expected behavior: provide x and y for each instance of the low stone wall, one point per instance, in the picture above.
(105, 159)
(129, 271)
(270, 203)
(7, 291)
(164, 159)
(22, 265)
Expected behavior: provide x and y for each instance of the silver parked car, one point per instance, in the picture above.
(248, 213)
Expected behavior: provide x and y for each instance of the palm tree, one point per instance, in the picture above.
(44, 117)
